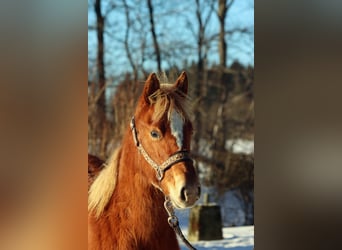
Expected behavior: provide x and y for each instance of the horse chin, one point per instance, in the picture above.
(180, 204)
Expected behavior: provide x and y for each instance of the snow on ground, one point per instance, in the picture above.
(234, 238)
(240, 146)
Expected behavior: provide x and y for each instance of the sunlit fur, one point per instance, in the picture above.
(103, 187)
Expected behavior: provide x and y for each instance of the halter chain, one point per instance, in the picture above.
(179, 156)
(173, 222)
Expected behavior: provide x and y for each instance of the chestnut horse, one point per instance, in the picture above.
(126, 195)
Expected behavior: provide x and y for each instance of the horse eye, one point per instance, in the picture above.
(155, 134)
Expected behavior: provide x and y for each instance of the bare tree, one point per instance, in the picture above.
(100, 55)
(223, 8)
(100, 127)
(225, 79)
(202, 48)
(126, 40)
(154, 36)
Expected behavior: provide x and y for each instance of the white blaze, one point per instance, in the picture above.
(176, 123)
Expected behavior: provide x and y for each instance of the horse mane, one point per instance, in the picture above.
(168, 98)
(104, 185)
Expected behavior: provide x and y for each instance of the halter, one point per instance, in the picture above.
(179, 156)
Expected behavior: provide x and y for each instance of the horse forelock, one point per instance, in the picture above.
(104, 185)
(168, 99)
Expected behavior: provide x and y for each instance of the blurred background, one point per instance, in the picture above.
(213, 41)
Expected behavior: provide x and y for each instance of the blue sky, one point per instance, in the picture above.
(172, 25)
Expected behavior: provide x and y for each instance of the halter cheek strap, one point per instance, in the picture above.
(178, 156)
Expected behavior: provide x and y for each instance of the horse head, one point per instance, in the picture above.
(162, 132)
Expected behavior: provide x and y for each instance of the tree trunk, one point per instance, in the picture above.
(220, 126)
(101, 103)
(197, 93)
(154, 36)
(128, 51)
(221, 14)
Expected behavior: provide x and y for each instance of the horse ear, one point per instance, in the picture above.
(182, 83)
(151, 85)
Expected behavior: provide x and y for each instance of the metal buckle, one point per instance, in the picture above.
(160, 174)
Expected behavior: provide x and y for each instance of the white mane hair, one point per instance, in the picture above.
(104, 185)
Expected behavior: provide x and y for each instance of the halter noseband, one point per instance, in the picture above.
(179, 156)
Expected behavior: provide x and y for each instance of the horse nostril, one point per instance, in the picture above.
(182, 195)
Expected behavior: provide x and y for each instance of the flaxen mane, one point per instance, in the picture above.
(103, 187)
